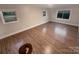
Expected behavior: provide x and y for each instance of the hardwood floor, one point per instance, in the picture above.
(47, 38)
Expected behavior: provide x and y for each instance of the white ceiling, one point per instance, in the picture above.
(41, 5)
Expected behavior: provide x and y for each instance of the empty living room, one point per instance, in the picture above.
(39, 29)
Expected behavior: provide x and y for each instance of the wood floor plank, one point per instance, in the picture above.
(50, 37)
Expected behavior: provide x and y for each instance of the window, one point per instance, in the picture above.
(44, 13)
(8, 16)
(63, 14)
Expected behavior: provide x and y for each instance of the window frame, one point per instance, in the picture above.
(8, 10)
(45, 13)
(62, 17)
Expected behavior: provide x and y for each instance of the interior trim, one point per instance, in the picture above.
(66, 23)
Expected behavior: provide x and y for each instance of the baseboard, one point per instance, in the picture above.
(4, 36)
(65, 23)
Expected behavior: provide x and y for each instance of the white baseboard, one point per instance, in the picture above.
(7, 35)
(66, 23)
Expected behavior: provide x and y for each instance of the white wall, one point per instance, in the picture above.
(74, 16)
(28, 17)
